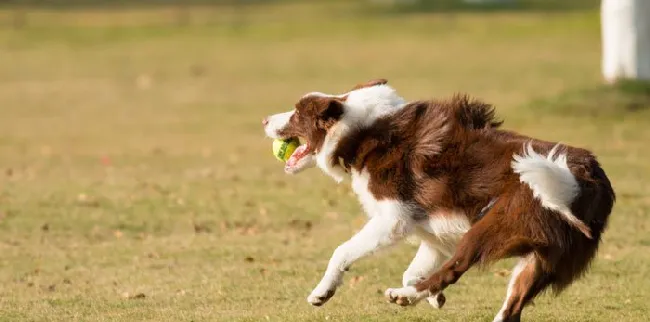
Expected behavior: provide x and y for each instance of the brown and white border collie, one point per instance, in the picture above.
(444, 171)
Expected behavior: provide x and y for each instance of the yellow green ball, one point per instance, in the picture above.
(282, 149)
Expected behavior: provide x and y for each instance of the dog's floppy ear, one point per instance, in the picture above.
(374, 82)
(330, 110)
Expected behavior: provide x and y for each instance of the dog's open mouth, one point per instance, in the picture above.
(299, 159)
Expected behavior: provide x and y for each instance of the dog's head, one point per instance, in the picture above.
(320, 120)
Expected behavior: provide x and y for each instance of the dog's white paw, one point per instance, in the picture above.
(324, 290)
(319, 297)
(437, 301)
(405, 296)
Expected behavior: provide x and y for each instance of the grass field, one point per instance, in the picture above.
(136, 183)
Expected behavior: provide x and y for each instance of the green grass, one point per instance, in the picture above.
(132, 159)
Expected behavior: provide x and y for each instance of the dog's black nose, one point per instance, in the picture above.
(265, 121)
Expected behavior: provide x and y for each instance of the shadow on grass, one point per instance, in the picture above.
(484, 6)
(619, 99)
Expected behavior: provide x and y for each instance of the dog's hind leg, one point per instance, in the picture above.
(527, 281)
(487, 241)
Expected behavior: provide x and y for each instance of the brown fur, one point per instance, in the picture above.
(313, 117)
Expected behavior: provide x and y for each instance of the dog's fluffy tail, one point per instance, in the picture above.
(551, 181)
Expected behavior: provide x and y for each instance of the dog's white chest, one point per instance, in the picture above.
(361, 187)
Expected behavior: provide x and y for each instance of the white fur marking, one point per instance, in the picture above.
(444, 230)
(550, 180)
(276, 123)
(360, 181)
(320, 94)
(523, 262)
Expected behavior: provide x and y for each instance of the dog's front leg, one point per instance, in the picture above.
(380, 231)
(426, 261)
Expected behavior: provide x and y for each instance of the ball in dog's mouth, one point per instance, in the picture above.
(297, 160)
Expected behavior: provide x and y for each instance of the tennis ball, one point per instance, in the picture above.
(282, 149)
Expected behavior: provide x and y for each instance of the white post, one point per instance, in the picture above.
(626, 39)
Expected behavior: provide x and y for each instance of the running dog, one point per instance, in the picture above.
(444, 171)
